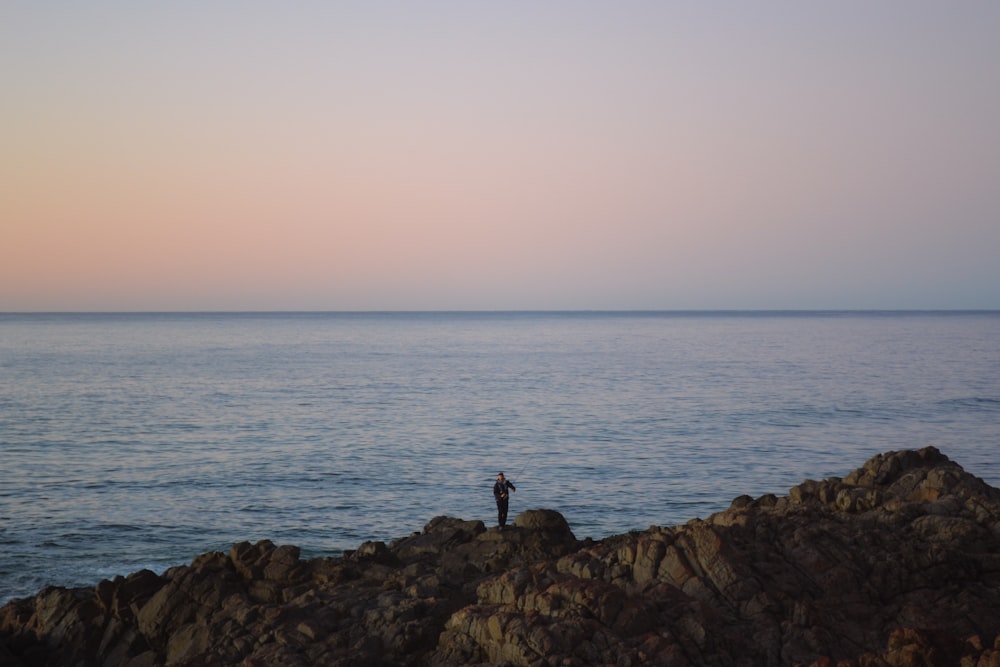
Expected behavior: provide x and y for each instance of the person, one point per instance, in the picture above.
(500, 493)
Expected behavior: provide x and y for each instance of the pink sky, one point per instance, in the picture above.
(380, 156)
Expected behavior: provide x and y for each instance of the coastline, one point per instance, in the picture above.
(893, 563)
(178, 436)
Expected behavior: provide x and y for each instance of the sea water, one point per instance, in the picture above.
(132, 441)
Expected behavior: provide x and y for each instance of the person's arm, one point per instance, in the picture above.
(511, 486)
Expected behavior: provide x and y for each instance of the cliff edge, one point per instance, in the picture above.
(896, 564)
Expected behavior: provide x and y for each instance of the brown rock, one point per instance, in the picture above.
(898, 563)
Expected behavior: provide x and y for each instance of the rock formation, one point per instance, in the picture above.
(896, 564)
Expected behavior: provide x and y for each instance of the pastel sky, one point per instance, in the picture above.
(506, 155)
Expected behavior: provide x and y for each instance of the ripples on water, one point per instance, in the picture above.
(133, 441)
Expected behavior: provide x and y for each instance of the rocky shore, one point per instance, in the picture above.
(896, 564)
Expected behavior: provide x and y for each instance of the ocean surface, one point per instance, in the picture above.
(132, 441)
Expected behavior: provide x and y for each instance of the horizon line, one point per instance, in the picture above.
(486, 311)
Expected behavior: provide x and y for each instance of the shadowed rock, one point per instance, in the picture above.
(898, 563)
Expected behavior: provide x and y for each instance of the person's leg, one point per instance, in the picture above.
(502, 513)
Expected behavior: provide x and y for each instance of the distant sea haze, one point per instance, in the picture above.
(134, 441)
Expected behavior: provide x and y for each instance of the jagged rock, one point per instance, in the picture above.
(896, 564)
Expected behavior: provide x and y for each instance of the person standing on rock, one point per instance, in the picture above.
(500, 493)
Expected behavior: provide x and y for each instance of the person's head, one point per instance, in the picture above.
(500, 476)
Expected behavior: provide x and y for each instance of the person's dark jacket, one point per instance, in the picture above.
(500, 488)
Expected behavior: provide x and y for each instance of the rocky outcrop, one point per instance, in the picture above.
(896, 564)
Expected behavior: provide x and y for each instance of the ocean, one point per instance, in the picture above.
(131, 441)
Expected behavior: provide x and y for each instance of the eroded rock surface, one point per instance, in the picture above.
(896, 564)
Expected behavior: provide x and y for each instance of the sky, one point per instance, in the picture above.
(499, 155)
